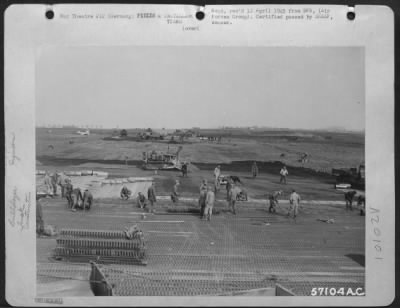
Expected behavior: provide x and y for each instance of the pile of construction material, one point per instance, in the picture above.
(127, 180)
(108, 247)
(78, 173)
(98, 183)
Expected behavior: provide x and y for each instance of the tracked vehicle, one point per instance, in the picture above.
(156, 160)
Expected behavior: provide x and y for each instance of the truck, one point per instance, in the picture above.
(350, 177)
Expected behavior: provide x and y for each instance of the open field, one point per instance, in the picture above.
(235, 155)
(326, 150)
(187, 256)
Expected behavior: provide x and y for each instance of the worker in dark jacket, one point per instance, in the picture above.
(87, 199)
(175, 193)
(254, 169)
(361, 204)
(151, 196)
(68, 192)
(349, 198)
(125, 193)
(76, 199)
(141, 200)
(273, 201)
(184, 170)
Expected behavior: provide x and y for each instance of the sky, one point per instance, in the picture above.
(184, 87)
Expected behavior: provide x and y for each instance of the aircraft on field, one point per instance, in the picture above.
(83, 133)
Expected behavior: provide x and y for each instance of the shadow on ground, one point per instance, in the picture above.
(359, 258)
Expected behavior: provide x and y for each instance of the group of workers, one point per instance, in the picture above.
(283, 172)
(207, 198)
(294, 201)
(141, 198)
(350, 197)
(75, 198)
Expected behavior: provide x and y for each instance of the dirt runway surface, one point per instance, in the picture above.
(188, 256)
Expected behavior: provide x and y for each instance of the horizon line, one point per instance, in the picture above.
(332, 129)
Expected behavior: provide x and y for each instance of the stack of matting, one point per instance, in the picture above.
(77, 245)
(102, 187)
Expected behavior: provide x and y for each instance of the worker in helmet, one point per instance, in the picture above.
(273, 201)
(77, 199)
(141, 200)
(175, 193)
(125, 193)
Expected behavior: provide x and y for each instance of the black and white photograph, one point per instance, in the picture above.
(215, 170)
(200, 171)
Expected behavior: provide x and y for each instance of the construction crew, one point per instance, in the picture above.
(210, 199)
(87, 199)
(141, 200)
(294, 201)
(217, 173)
(125, 193)
(76, 199)
(175, 193)
(202, 198)
(233, 194)
(68, 192)
(151, 196)
(273, 201)
(349, 198)
(254, 169)
(284, 173)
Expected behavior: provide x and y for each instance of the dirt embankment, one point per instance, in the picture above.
(268, 167)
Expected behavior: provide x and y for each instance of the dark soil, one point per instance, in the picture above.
(268, 167)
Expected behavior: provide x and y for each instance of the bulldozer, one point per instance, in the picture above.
(156, 160)
(350, 177)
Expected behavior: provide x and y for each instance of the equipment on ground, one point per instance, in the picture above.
(83, 133)
(156, 160)
(242, 196)
(223, 179)
(75, 245)
(350, 177)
